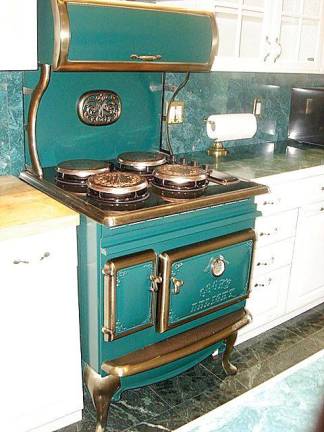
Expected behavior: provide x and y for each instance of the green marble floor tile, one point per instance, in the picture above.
(269, 343)
(241, 361)
(307, 323)
(183, 387)
(318, 338)
(134, 406)
(288, 358)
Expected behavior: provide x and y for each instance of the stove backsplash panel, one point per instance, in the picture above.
(61, 135)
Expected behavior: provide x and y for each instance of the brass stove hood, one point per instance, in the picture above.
(101, 35)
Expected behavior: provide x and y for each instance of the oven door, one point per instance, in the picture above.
(130, 286)
(204, 277)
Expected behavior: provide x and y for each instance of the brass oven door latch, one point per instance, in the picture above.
(177, 284)
(156, 280)
(218, 266)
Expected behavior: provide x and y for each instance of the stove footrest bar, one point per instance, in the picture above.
(177, 347)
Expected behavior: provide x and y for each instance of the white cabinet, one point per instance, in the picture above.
(269, 35)
(268, 297)
(39, 329)
(297, 34)
(18, 35)
(307, 275)
(243, 27)
(288, 271)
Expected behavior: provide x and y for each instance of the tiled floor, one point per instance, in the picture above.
(170, 404)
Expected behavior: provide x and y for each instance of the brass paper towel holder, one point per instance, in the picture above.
(217, 148)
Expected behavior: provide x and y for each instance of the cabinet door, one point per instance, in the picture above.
(307, 275)
(267, 300)
(243, 27)
(18, 35)
(297, 34)
(39, 329)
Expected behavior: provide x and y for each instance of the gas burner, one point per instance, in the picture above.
(118, 187)
(178, 182)
(141, 162)
(73, 174)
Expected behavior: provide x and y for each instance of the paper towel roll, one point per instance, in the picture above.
(226, 127)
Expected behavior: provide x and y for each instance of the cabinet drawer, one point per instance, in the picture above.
(200, 279)
(273, 256)
(313, 209)
(267, 300)
(271, 229)
(273, 202)
(312, 189)
(57, 246)
(291, 195)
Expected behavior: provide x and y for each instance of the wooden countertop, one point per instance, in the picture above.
(25, 210)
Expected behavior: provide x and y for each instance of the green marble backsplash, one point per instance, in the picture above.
(205, 94)
(11, 123)
(234, 92)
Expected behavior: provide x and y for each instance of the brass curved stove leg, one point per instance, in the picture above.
(228, 367)
(101, 390)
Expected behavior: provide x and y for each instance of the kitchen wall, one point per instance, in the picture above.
(234, 92)
(11, 123)
(205, 94)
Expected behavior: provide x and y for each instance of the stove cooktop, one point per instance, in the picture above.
(152, 207)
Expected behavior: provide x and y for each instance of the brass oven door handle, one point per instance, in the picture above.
(177, 284)
(146, 58)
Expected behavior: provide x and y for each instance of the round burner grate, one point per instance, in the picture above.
(118, 187)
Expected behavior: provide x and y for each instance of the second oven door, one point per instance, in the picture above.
(129, 294)
(205, 277)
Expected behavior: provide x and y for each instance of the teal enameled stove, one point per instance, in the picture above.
(165, 250)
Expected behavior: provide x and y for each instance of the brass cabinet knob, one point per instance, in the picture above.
(217, 266)
(177, 283)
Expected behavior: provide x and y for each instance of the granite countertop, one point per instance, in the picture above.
(262, 160)
(24, 210)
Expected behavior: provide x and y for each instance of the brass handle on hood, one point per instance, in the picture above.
(145, 58)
